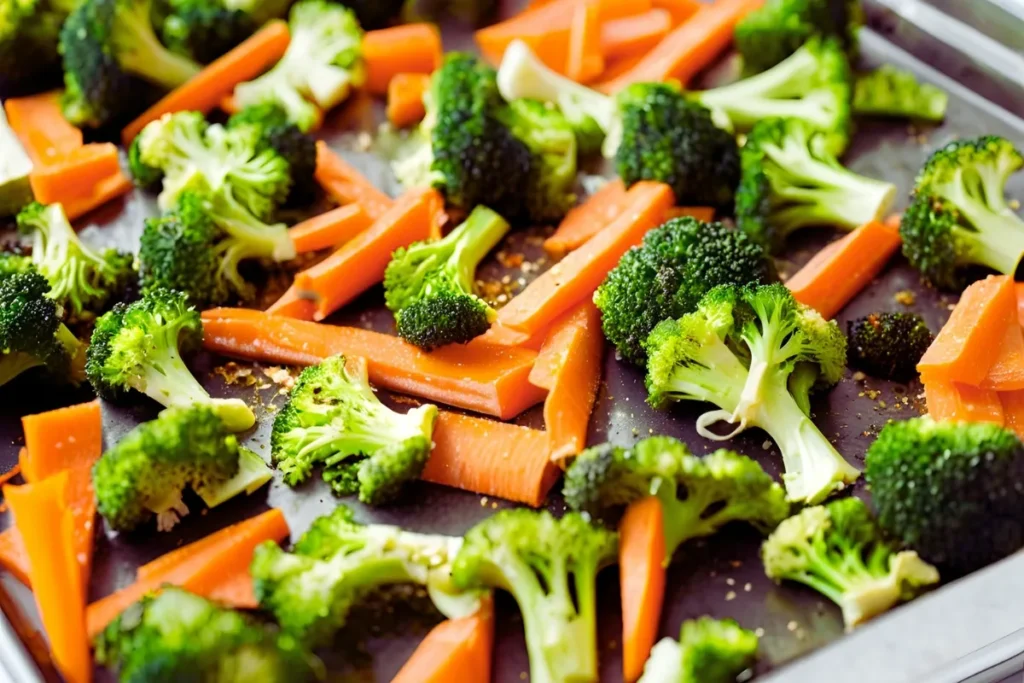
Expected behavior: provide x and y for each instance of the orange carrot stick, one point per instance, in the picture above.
(61, 439)
(1013, 411)
(491, 458)
(952, 401)
(40, 125)
(681, 10)
(588, 219)
(479, 377)
(405, 99)
(1007, 372)
(14, 557)
(576, 277)
(705, 214)
(405, 49)
(347, 185)
(330, 229)
(454, 650)
(841, 270)
(75, 175)
(11, 473)
(106, 190)
(586, 59)
(203, 92)
(642, 581)
(635, 35)
(1020, 303)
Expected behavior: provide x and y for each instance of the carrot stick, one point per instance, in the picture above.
(14, 557)
(75, 175)
(491, 458)
(1020, 303)
(588, 219)
(11, 473)
(108, 189)
(1007, 372)
(841, 270)
(346, 185)
(61, 439)
(1013, 411)
(45, 526)
(969, 343)
(642, 565)
(705, 214)
(586, 59)
(405, 49)
(569, 367)
(454, 650)
(681, 10)
(330, 229)
(479, 377)
(203, 92)
(635, 35)
(40, 125)
(405, 99)
(962, 403)
(576, 277)
(688, 49)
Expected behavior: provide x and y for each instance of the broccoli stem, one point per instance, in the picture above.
(789, 78)
(260, 239)
(141, 52)
(13, 364)
(998, 238)
(475, 238)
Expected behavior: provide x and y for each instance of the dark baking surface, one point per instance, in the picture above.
(722, 576)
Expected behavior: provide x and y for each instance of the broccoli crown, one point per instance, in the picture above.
(790, 180)
(840, 551)
(177, 636)
(666, 277)
(951, 490)
(959, 215)
(29, 33)
(891, 92)
(698, 495)
(888, 345)
(147, 471)
(708, 651)
(550, 567)
(333, 418)
(114, 64)
(672, 139)
(779, 28)
(81, 278)
(203, 30)
(31, 332)
(445, 317)
(288, 140)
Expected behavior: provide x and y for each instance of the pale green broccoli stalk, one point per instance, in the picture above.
(708, 651)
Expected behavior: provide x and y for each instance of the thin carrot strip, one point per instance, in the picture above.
(405, 99)
(14, 557)
(40, 125)
(586, 59)
(681, 10)
(10, 474)
(330, 229)
(634, 35)
(76, 174)
(642, 581)
(61, 439)
(952, 401)
(616, 67)
(204, 91)
(491, 458)
(1020, 303)
(1013, 411)
(346, 185)
(705, 214)
(405, 49)
(836, 274)
(106, 190)
(454, 650)
(588, 219)
(1007, 372)
(294, 303)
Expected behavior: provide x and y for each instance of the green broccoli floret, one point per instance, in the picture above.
(779, 28)
(740, 350)
(708, 651)
(84, 280)
(839, 550)
(177, 636)
(895, 93)
(669, 274)
(114, 64)
(698, 495)
(285, 138)
(959, 216)
(333, 418)
(790, 181)
(429, 285)
(888, 345)
(339, 561)
(29, 34)
(550, 567)
(138, 346)
(203, 30)
(322, 65)
(954, 491)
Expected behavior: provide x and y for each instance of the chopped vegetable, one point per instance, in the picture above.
(346, 185)
(586, 58)
(15, 190)
(40, 125)
(889, 345)
(773, 32)
(587, 219)
(895, 93)
(330, 229)
(641, 581)
(405, 49)
(708, 651)
(454, 650)
(405, 99)
(634, 35)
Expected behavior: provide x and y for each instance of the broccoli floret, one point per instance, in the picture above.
(84, 280)
(285, 138)
(429, 285)
(954, 491)
(114, 62)
(959, 216)
(888, 345)
(177, 636)
(138, 346)
(708, 651)
(339, 561)
(895, 93)
(739, 351)
(29, 33)
(203, 30)
(667, 276)
(698, 495)
(322, 65)
(779, 28)
(790, 181)
(333, 418)
(839, 550)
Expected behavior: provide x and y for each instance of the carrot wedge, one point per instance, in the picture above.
(405, 99)
(454, 650)
(39, 124)
(204, 91)
(588, 219)
(405, 49)
(951, 401)
(330, 229)
(14, 557)
(76, 174)
(634, 35)
(347, 185)
(642, 581)
(61, 439)
(491, 458)
(105, 190)
(837, 273)
(1020, 303)
(586, 60)
(1007, 372)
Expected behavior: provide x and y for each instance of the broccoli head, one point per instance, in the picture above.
(666, 277)
(333, 418)
(708, 651)
(29, 33)
(779, 28)
(203, 30)
(550, 567)
(285, 138)
(895, 93)
(954, 491)
(959, 216)
(429, 285)
(888, 345)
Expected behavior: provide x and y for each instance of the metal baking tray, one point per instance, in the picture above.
(962, 630)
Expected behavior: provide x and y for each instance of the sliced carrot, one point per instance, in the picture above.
(1013, 411)
(588, 219)
(1007, 372)
(106, 190)
(586, 59)
(237, 591)
(642, 563)
(405, 99)
(61, 439)
(491, 458)
(346, 185)
(681, 10)
(76, 174)
(1020, 303)
(575, 278)
(40, 125)
(963, 402)
(405, 49)
(841, 270)
(454, 650)
(689, 48)
(616, 67)
(498, 335)
(969, 343)
(480, 377)
(634, 35)
(204, 91)
(14, 557)
(330, 229)
(705, 214)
